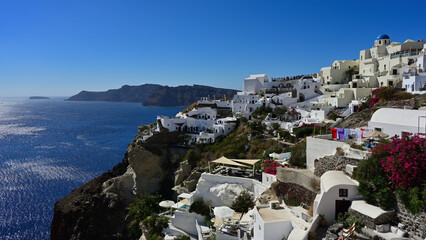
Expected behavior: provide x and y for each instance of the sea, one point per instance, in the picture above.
(49, 147)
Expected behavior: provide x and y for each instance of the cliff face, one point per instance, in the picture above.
(85, 213)
(124, 94)
(185, 95)
(98, 209)
(155, 95)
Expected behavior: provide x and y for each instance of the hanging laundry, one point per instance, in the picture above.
(334, 133)
(347, 133)
(341, 133)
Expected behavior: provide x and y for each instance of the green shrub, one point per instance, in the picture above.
(243, 202)
(374, 186)
(200, 207)
(298, 155)
(347, 220)
(279, 112)
(261, 112)
(142, 207)
(155, 225)
(182, 237)
(193, 157)
(414, 199)
(275, 126)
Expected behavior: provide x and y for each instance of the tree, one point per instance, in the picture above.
(275, 126)
(243, 202)
(298, 155)
(200, 207)
(142, 207)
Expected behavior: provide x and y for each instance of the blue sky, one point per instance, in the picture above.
(58, 48)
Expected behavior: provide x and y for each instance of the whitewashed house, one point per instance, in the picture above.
(203, 113)
(337, 193)
(394, 121)
(275, 222)
(415, 81)
(254, 83)
(245, 104)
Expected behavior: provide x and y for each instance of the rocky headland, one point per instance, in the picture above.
(154, 95)
(98, 209)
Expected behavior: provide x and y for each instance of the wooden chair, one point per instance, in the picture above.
(348, 233)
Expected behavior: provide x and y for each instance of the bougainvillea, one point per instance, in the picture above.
(378, 95)
(404, 160)
(270, 166)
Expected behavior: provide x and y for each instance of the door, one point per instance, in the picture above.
(342, 206)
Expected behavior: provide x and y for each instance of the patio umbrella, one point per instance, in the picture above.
(376, 134)
(166, 204)
(223, 212)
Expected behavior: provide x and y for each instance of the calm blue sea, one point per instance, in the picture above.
(49, 147)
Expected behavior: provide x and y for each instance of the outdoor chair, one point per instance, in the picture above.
(348, 233)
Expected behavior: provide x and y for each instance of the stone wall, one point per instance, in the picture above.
(294, 192)
(335, 162)
(415, 222)
(302, 177)
(372, 222)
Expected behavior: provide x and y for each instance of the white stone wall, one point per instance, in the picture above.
(185, 221)
(209, 184)
(393, 130)
(268, 179)
(317, 148)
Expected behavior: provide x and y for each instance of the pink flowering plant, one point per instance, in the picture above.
(270, 166)
(395, 169)
(405, 162)
(378, 95)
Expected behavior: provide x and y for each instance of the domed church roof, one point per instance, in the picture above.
(382, 36)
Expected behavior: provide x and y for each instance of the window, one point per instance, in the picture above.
(403, 132)
(343, 192)
(378, 129)
(380, 42)
(384, 66)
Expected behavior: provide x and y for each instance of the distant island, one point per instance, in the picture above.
(38, 97)
(154, 95)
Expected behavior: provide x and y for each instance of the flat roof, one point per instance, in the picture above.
(274, 215)
(185, 195)
(367, 209)
(281, 214)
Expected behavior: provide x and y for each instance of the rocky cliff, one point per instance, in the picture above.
(155, 95)
(98, 209)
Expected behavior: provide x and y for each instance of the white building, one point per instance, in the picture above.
(337, 193)
(275, 222)
(394, 121)
(415, 80)
(224, 126)
(188, 124)
(203, 113)
(337, 73)
(245, 104)
(254, 83)
(380, 66)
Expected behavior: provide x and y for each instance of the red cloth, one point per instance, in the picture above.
(334, 133)
(362, 132)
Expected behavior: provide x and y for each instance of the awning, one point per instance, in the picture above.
(226, 161)
(185, 195)
(247, 161)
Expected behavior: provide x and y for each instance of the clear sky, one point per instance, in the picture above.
(58, 48)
